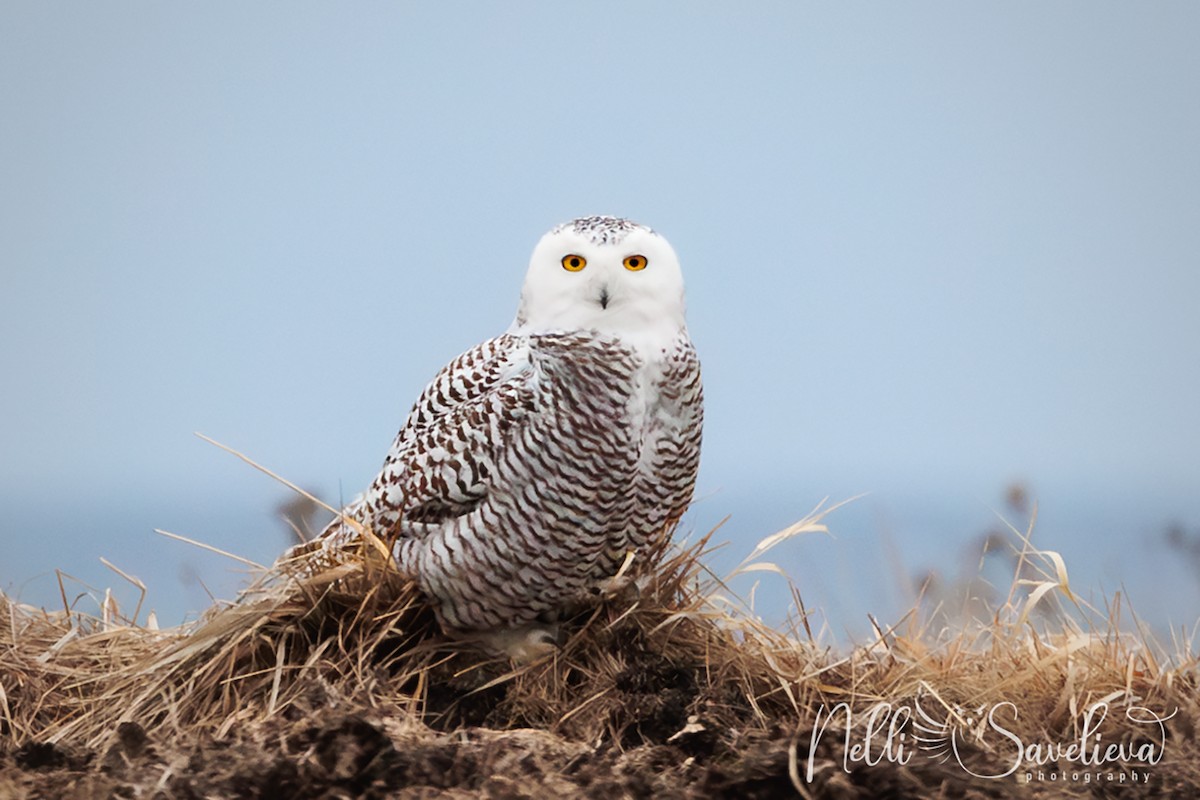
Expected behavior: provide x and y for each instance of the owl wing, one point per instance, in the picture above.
(442, 458)
(440, 463)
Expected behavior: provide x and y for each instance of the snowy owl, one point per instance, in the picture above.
(536, 461)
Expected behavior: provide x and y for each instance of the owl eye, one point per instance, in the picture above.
(634, 263)
(574, 263)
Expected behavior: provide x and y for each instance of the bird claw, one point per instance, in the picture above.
(617, 587)
(523, 644)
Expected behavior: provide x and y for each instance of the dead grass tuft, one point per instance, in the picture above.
(679, 663)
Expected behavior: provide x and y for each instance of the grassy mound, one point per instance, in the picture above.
(338, 682)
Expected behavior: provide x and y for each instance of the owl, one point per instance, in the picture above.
(535, 462)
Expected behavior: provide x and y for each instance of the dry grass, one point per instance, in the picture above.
(680, 664)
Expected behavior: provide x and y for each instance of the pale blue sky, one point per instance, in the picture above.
(930, 248)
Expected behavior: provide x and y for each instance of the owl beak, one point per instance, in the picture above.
(604, 297)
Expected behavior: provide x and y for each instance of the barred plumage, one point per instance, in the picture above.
(535, 461)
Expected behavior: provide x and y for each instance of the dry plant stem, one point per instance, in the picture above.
(683, 658)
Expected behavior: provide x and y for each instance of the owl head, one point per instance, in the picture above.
(605, 274)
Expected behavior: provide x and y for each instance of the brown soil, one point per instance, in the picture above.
(339, 685)
(345, 750)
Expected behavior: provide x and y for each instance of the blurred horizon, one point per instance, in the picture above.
(932, 251)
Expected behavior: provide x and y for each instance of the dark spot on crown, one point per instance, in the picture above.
(602, 229)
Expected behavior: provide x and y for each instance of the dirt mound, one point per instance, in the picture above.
(338, 683)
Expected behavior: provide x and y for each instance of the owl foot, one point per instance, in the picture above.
(524, 643)
(618, 587)
(621, 586)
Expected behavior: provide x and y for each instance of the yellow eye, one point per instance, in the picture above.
(574, 263)
(634, 263)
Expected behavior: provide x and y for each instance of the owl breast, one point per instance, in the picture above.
(594, 455)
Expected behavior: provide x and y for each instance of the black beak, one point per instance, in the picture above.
(604, 297)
